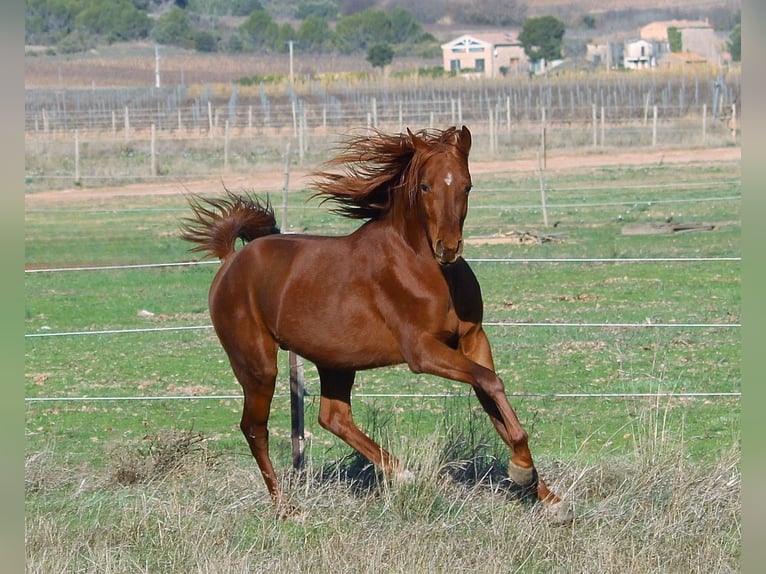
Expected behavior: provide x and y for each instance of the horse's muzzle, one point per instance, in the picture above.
(447, 254)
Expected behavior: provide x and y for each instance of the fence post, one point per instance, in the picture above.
(153, 150)
(297, 391)
(77, 157)
(734, 123)
(543, 143)
(226, 146)
(543, 197)
(704, 122)
(654, 126)
(603, 125)
(595, 128)
(127, 125)
(285, 186)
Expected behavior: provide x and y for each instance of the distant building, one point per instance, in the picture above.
(489, 55)
(699, 45)
(638, 55)
(697, 37)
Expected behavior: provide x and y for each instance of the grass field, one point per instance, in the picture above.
(169, 485)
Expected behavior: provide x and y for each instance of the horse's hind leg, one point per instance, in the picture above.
(256, 371)
(335, 416)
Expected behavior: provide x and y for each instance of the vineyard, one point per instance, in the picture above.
(91, 137)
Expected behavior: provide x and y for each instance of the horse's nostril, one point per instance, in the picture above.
(439, 248)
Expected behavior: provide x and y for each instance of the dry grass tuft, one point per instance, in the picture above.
(163, 506)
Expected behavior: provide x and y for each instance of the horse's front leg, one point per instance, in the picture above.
(472, 363)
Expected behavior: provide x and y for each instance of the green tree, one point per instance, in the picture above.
(542, 38)
(113, 20)
(380, 55)
(173, 29)
(735, 43)
(362, 30)
(675, 39)
(205, 41)
(324, 9)
(244, 7)
(488, 12)
(315, 35)
(404, 28)
(48, 21)
(260, 30)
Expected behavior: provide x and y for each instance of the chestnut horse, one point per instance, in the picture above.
(394, 291)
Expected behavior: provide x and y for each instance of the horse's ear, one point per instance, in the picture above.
(416, 142)
(463, 140)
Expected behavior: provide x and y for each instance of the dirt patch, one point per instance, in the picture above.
(262, 180)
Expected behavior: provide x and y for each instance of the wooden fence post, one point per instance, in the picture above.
(595, 128)
(77, 157)
(297, 392)
(543, 198)
(153, 150)
(210, 119)
(226, 146)
(603, 125)
(704, 122)
(285, 187)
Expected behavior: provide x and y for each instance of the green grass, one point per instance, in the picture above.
(623, 458)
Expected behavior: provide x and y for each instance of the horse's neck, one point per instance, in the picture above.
(404, 221)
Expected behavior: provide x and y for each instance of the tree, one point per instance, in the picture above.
(113, 20)
(488, 12)
(380, 55)
(735, 43)
(244, 7)
(325, 9)
(675, 40)
(542, 38)
(260, 30)
(404, 28)
(173, 28)
(315, 35)
(362, 30)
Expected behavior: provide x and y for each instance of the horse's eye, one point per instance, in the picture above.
(425, 187)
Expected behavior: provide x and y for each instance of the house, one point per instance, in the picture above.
(607, 54)
(488, 55)
(638, 55)
(697, 36)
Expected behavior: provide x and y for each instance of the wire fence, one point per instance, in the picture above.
(489, 324)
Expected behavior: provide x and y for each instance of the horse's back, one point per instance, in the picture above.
(310, 294)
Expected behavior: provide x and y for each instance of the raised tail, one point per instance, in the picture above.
(217, 223)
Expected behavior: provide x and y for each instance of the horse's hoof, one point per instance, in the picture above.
(521, 476)
(521, 483)
(559, 513)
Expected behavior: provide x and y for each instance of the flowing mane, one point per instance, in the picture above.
(376, 170)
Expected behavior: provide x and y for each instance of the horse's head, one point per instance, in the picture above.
(442, 187)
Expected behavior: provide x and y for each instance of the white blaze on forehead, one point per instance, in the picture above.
(448, 179)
